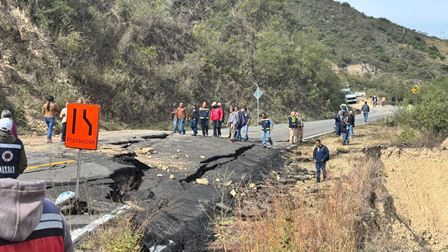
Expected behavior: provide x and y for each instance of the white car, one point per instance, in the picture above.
(350, 97)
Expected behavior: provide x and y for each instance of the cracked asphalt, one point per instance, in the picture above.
(163, 182)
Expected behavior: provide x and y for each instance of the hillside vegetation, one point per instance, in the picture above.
(136, 58)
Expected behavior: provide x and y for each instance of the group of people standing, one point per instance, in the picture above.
(375, 101)
(199, 116)
(238, 122)
(345, 124)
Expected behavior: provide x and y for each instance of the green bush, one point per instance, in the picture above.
(406, 136)
(429, 114)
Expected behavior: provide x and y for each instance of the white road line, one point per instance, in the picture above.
(78, 234)
(317, 135)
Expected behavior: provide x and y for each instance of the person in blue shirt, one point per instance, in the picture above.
(266, 128)
(321, 155)
(365, 109)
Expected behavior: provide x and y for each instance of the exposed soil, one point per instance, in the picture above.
(418, 182)
(406, 196)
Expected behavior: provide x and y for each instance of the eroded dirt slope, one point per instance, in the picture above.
(418, 182)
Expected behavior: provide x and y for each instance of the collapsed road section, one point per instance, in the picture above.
(179, 213)
(178, 184)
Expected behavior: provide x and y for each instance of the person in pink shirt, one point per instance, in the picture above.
(7, 114)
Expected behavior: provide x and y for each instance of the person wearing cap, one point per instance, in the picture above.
(49, 110)
(8, 114)
(13, 159)
(30, 222)
(216, 117)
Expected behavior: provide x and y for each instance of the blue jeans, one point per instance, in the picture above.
(320, 167)
(344, 138)
(194, 126)
(338, 130)
(238, 134)
(350, 130)
(181, 125)
(266, 136)
(174, 125)
(50, 121)
(245, 132)
(366, 115)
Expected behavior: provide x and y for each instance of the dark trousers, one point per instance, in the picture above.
(217, 128)
(194, 126)
(63, 131)
(320, 167)
(338, 129)
(204, 127)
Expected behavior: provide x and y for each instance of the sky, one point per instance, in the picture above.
(430, 16)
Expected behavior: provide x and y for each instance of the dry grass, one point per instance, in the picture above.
(118, 236)
(329, 222)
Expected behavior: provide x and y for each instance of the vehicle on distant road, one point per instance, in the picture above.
(350, 97)
(360, 94)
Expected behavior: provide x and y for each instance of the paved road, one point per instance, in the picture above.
(315, 128)
(57, 155)
(56, 165)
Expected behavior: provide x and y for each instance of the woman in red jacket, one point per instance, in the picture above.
(216, 117)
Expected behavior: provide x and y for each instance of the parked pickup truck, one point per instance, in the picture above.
(350, 97)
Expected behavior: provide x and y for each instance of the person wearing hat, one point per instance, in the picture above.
(30, 222)
(216, 117)
(8, 114)
(12, 153)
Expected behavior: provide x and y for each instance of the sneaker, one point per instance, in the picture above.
(49, 140)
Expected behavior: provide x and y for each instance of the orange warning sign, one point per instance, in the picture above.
(82, 126)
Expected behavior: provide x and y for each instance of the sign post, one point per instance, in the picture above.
(258, 93)
(78, 174)
(82, 131)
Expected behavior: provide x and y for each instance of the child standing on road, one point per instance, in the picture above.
(266, 129)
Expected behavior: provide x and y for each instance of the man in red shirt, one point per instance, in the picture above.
(216, 116)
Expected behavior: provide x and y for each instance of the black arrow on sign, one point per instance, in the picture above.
(84, 116)
(74, 122)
